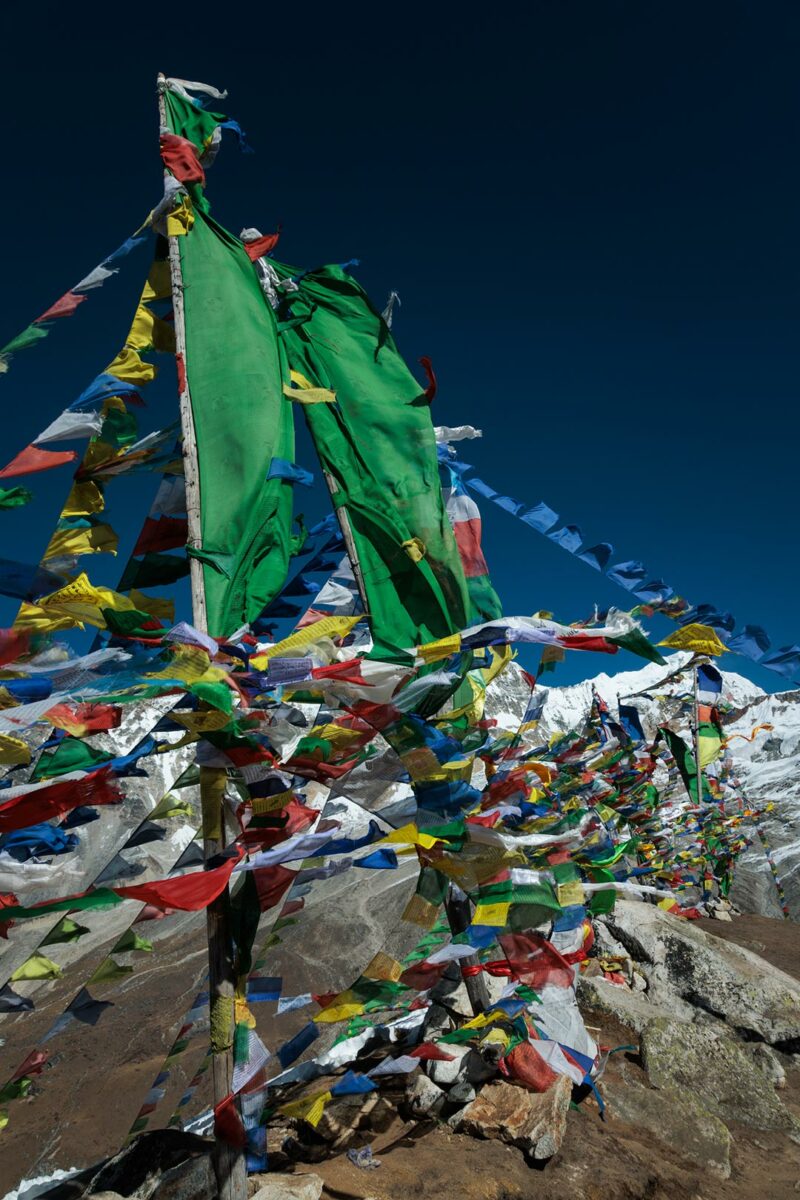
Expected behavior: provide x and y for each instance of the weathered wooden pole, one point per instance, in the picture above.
(229, 1161)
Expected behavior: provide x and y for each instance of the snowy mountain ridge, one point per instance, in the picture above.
(768, 765)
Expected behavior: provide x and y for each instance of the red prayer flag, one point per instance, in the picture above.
(189, 893)
(423, 975)
(526, 1065)
(228, 1125)
(32, 459)
(13, 644)
(535, 960)
(64, 307)
(92, 718)
(261, 246)
(271, 884)
(47, 803)
(180, 157)
(430, 1052)
(427, 366)
(166, 533)
(588, 641)
(33, 1065)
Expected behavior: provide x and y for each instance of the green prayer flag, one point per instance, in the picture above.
(130, 942)
(99, 898)
(71, 754)
(38, 966)
(14, 497)
(376, 442)
(108, 971)
(153, 570)
(66, 930)
(685, 762)
(192, 122)
(34, 333)
(635, 641)
(242, 421)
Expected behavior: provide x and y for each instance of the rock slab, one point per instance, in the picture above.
(289, 1187)
(678, 1119)
(753, 997)
(707, 1061)
(534, 1122)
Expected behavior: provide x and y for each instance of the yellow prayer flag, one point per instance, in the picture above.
(82, 601)
(442, 648)
(180, 220)
(411, 835)
(130, 368)
(701, 639)
(149, 332)
(308, 1108)
(97, 539)
(159, 282)
(31, 616)
(84, 499)
(421, 762)
(204, 721)
(189, 664)
(13, 751)
(327, 627)
(345, 1005)
(383, 966)
(570, 893)
(160, 607)
(501, 657)
(309, 395)
(261, 805)
(420, 911)
(491, 914)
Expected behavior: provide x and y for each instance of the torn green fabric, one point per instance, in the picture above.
(377, 443)
(242, 421)
(686, 764)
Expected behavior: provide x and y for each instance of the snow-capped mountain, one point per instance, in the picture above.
(768, 766)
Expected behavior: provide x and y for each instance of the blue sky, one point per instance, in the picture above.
(589, 211)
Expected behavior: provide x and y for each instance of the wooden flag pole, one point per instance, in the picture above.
(229, 1161)
(697, 767)
(343, 517)
(697, 737)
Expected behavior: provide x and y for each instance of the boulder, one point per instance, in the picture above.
(752, 996)
(193, 1179)
(706, 1060)
(677, 1118)
(445, 1073)
(289, 1187)
(469, 1065)
(534, 1122)
(346, 1116)
(631, 1008)
(166, 1164)
(424, 1097)
(767, 1061)
(462, 1092)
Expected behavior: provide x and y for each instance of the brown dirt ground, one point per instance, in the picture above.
(777, 941)
(599, 1160)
